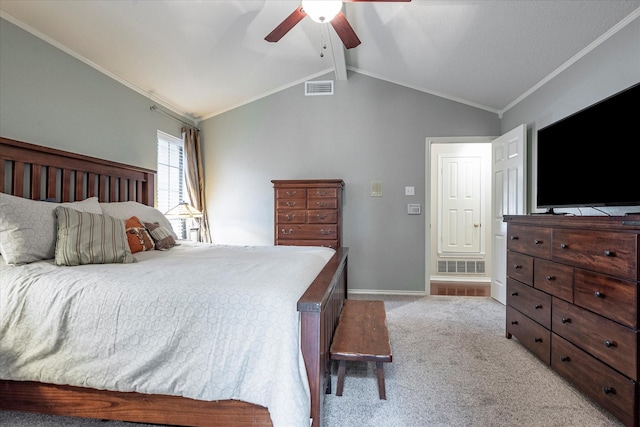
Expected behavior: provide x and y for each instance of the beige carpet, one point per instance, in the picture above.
(452, 366)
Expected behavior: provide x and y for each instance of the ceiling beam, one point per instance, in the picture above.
(338, 54)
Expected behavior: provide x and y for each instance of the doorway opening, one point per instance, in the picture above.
(458, 240)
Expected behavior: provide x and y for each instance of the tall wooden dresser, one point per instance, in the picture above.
(573, 298)
(308, 212)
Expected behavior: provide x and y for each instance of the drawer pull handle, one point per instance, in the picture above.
(565, 359)
(290, 217)
(291, 204)
(514, 294)
(514, 322)
(550, 278)
(537, 242)
(287, 232)
(319, 216)
(325, 232)
(565, 320)
(608, 390)
(608, 253)
(598, 294)
(609, 344)
(291, 193)
(537, 340)
(321, 193)
(564, 246)
(517, 266)
(321, 204)
(514, 237)
(537, 306)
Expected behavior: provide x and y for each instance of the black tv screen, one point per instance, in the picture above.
(591, 157)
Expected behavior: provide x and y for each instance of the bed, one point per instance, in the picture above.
(38, 173)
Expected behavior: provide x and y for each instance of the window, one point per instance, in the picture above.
(170, 182)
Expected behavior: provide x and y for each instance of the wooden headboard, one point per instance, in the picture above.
(42, 173)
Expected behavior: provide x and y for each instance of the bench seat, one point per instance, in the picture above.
(362, 336)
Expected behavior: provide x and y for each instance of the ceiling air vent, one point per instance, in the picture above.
(318, 87)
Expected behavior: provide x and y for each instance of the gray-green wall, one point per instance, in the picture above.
(609, 68)
(370, 130)
(49, 98)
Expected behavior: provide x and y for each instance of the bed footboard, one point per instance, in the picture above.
(320, 308)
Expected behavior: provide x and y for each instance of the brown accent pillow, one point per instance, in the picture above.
(162, 237)
(138, 236)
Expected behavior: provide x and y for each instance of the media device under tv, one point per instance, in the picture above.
(591, 157)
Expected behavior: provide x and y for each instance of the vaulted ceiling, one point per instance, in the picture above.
(203, 57)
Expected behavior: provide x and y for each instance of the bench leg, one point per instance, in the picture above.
(341, 371)
(381, 388)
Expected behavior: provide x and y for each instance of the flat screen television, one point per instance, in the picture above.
(590, 158)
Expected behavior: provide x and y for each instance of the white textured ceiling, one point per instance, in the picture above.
(204, 57)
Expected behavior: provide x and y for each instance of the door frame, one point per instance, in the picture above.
(428, 220)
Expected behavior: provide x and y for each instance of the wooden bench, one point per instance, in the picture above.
(362, 336)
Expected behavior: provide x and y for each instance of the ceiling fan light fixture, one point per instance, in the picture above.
(321, 10)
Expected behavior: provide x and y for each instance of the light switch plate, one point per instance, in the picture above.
(376, 188)
(409, 191)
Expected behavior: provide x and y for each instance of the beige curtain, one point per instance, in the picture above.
(195, 178)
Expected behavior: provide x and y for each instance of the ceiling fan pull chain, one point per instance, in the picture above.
(323, 43)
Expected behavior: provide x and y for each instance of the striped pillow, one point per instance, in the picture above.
(86, 238)
(162, 237)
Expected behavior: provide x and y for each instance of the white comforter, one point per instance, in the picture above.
(201, 321)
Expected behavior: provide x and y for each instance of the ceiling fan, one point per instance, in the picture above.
(323, 11)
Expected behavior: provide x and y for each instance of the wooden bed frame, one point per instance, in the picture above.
(39, 173)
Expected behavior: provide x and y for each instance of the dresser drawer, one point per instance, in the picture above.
(614, 344)
(323, 203)
(530, 334)
(520, 267)
(333, 244)
(291, 193)
(534, 241)
(291, 204)
(292, 217)
(613, 298)
(553, 278)
(609, 253)
(322, 193)
(313, 232)
(608, 388)
(322, 216)
(533, 303)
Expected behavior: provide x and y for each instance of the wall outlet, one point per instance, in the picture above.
(414, 208)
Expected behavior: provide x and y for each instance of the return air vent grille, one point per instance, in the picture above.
(461, 267)
(318, 87)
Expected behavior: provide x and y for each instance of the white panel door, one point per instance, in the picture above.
(508, 198)
(460, 204)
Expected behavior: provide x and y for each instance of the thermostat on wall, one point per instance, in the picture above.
(413, 209)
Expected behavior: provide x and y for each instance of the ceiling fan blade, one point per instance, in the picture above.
(345, 31)
(286, 25)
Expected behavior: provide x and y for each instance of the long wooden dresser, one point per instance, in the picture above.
(308, 212)
(573, 298)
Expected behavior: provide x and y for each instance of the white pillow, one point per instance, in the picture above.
(125, 210)
(28, 228)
